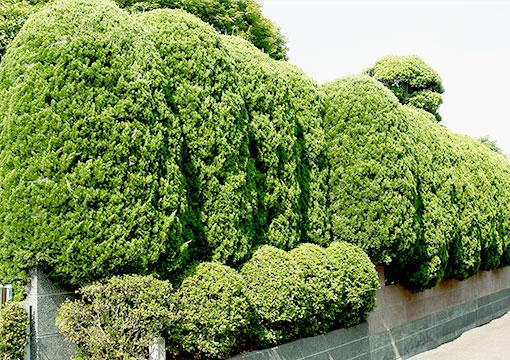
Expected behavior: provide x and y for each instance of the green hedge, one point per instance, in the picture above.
(13, 331)
(84, 185)
(209, 125)
(117, 319)
(427, 202)
(286, 145)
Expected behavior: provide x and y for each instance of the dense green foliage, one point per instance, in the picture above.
(149, 143)
(212, 313)
(118, 319)
(427, 202)
(13, 331)
(229, 17)
(84, 185)
(209, 133)
(310, 289)
(286, 146)
(411, 80)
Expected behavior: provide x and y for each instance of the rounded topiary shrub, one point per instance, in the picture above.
(13, 331)
(117, 319)
(212, 313)
(85, 187)
(310, 289)
(275, 286)
(340, 283)
(411, 80)
(359, 282)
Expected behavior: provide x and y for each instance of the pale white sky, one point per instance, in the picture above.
(466, 42)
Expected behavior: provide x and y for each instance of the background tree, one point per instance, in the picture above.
(230, 17)
(412, 81)
(491, 144)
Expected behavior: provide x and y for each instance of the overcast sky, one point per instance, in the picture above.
(466, 42)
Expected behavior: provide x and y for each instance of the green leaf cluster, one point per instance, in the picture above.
(118, 319)
(429, 203)
(13, 331)
(411, 80)
(13, 14)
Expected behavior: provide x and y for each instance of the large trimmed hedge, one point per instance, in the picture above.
(286, 145)
(429, 203)
(210, 131)
(84, 182)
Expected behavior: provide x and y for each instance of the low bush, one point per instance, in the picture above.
(118, 319)
(13, 331)
(340, 283)
(212, 313)
(310, 289)
(275, 286)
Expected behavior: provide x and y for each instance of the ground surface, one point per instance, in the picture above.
(488, 342)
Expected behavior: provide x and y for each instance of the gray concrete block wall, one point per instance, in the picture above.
(44, 299)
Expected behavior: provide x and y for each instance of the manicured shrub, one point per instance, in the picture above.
(85, 186)
(427, 202)
(287, 149)
(13, 331)
(411, 80)
(212, 313)
(117, 319)
(339, 286)
(309, 290)
(210, 123)
(275, 286)
(371, 184)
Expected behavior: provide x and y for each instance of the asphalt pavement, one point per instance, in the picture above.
(487, 342)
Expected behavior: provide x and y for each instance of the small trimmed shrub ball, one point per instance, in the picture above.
(85, 188)
(212, 313)
(275, 286)
(340, 283)
(117, 319)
